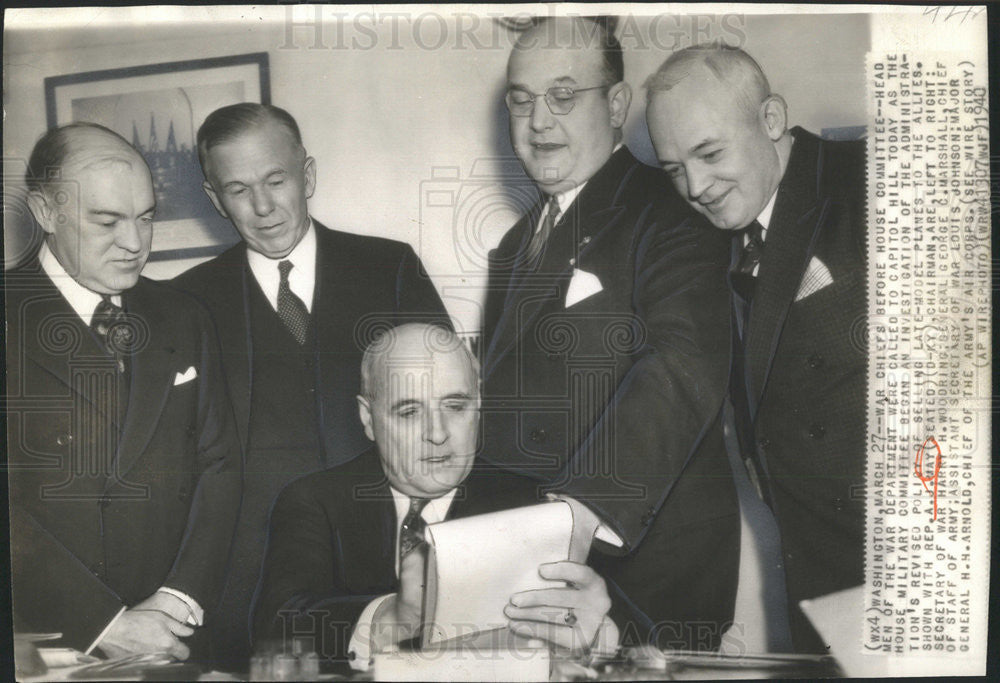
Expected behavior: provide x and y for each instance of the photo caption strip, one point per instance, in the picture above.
(929, 338)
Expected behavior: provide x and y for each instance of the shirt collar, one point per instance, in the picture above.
(765, 216)
(435, 511)
(302, 278)
(565, 199)
(82, 300)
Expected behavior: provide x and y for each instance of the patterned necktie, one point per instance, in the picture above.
(411, 532)
(111, 327)
(541, 236)
(742, 274)
(291, 310)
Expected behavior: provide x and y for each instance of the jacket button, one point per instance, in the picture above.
(537, 435)
(105, 501)
(815, 361)
(64, 439)
(838, 504)
(648, 516)
(817, 431)
(763, 442)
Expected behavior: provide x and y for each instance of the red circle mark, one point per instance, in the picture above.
(919, 469)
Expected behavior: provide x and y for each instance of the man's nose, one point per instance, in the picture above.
(128, 236)
(435, 430)
(263, 205)
(541, 117)
(698, 181)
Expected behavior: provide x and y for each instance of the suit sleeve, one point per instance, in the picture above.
(417, 300)
(299, 590)
(40, 565)
(201, 562)
(670, 397)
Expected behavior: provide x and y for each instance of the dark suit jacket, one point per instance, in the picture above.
(613, 398)
(94, 526)
(806, 364)
(332, 547)
(362, 284)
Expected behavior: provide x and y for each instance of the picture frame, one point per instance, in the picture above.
(159, 108)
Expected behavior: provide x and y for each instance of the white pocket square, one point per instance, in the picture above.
(186, 376)
(582, 285)
(816, 278)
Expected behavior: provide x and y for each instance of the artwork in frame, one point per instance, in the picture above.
(158, 108)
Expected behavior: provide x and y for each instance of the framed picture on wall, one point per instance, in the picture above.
(158, 108)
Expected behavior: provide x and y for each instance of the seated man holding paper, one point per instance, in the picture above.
(345, 562)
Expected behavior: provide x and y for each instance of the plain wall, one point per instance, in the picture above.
(396, 127)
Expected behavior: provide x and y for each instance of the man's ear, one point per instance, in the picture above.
(365, 413)
(619, 100)
(210, 191)
(310, 173)
(42, 210)
(775, 116)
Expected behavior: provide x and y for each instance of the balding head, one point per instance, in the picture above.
(719, 132)
(66, 150)
(420, 405)
(92, 194)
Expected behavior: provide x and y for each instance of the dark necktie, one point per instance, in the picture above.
(742, 274)
(411, 532)
(291, 310)
(541, 236)
(118, 335)
(111, 327)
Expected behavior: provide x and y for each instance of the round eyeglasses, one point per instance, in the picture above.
(560, 99)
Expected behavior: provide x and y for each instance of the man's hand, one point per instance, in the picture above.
(168, 604)
(138, 631)
(574, 617)
(398, 618)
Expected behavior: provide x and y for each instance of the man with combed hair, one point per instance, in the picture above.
(292, 303)
(606, 342)
(123, 459)
(340, 570)
(794, 205)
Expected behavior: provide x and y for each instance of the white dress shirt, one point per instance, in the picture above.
(84, 303)
(82, 300)
(359, 649)
(302, 277)
(565, 199)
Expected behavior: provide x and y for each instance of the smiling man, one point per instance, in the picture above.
(291, 302)
(793, 205)
(122, 450)
(345, 562)
(606, 337)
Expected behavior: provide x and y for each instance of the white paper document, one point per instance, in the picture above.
(475, 564)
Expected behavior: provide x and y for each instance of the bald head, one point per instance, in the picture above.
(420, 405)
(412, 344)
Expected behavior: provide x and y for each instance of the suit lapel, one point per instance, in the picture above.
(153, 369)
(798, 217)
(46, 322)
(593, 213)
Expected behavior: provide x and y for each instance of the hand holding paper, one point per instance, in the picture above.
(570, 617)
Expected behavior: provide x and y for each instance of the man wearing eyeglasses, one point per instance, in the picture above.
(606, 342)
